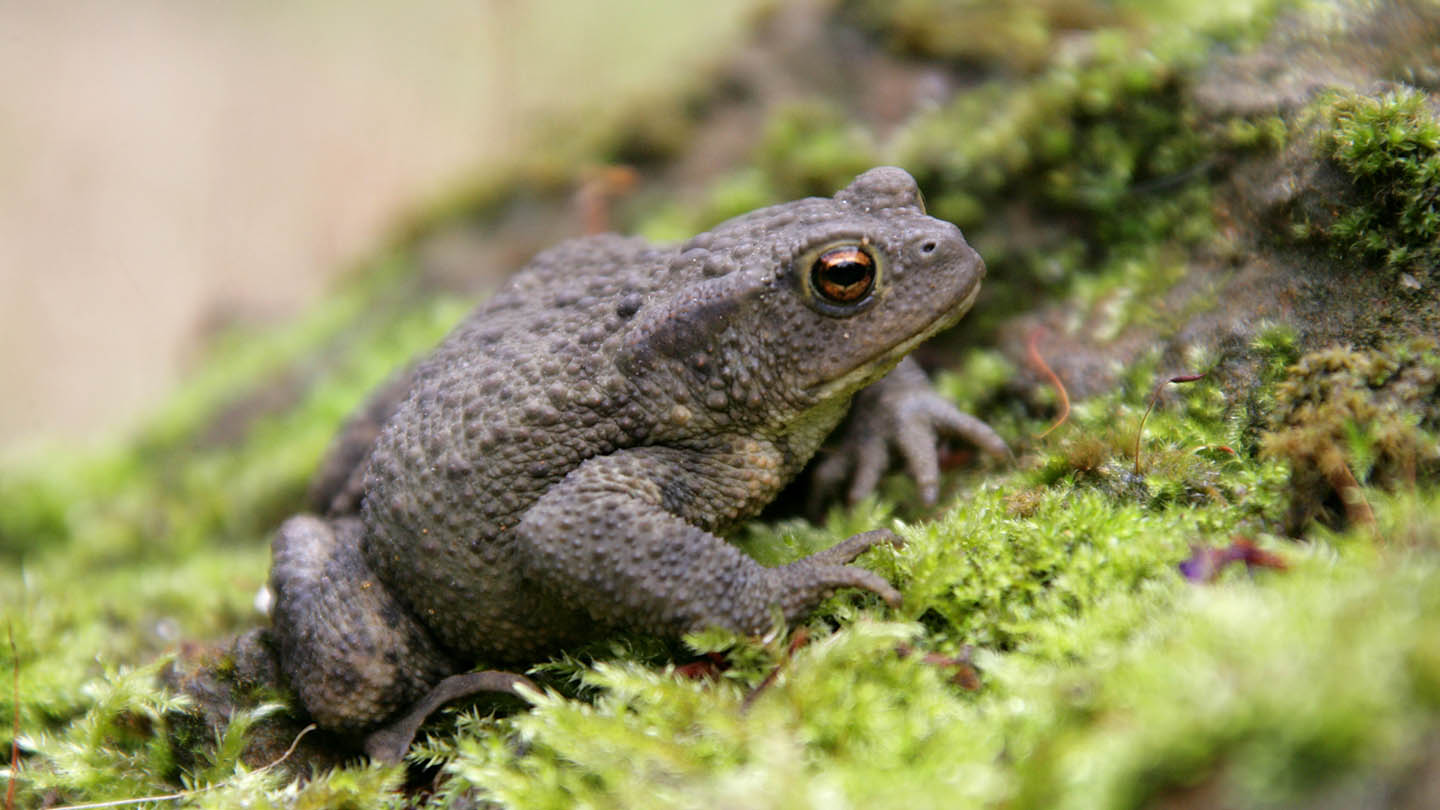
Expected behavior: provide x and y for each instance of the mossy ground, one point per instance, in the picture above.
(1050, 651)
(1390, 146)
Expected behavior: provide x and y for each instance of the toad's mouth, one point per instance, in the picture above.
(879, 364)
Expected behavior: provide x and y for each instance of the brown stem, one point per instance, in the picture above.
(1154, 398)
(1033, 352)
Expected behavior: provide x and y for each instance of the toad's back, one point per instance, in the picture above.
(512, 401)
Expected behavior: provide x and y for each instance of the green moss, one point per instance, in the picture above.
(1029, 36)
(1096, 172)
(1276, 346)
(1016, 35)
(118, 747)
(371, 787)
(1266, 134)
(1345, 417)
(1081, 136)
(1389, 146)
(1256, 694)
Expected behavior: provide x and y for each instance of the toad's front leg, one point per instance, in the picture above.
(613, 539)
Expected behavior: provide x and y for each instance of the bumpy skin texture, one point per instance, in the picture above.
(566, 462)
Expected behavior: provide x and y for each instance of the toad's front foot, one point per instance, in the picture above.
(811, 579)
(899, 415)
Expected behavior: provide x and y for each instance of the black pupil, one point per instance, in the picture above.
(844, 274)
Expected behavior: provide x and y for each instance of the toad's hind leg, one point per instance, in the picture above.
(351, 651)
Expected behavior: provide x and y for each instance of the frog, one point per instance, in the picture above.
(568, 462)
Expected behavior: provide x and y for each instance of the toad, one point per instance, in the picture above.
(569, 460)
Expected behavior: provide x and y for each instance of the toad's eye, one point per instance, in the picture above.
(843, 275)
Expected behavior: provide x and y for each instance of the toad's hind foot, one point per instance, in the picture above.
(389, 743)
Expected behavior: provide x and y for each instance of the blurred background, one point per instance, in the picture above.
(168, 168)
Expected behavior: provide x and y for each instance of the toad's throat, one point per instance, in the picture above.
(877, 365)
